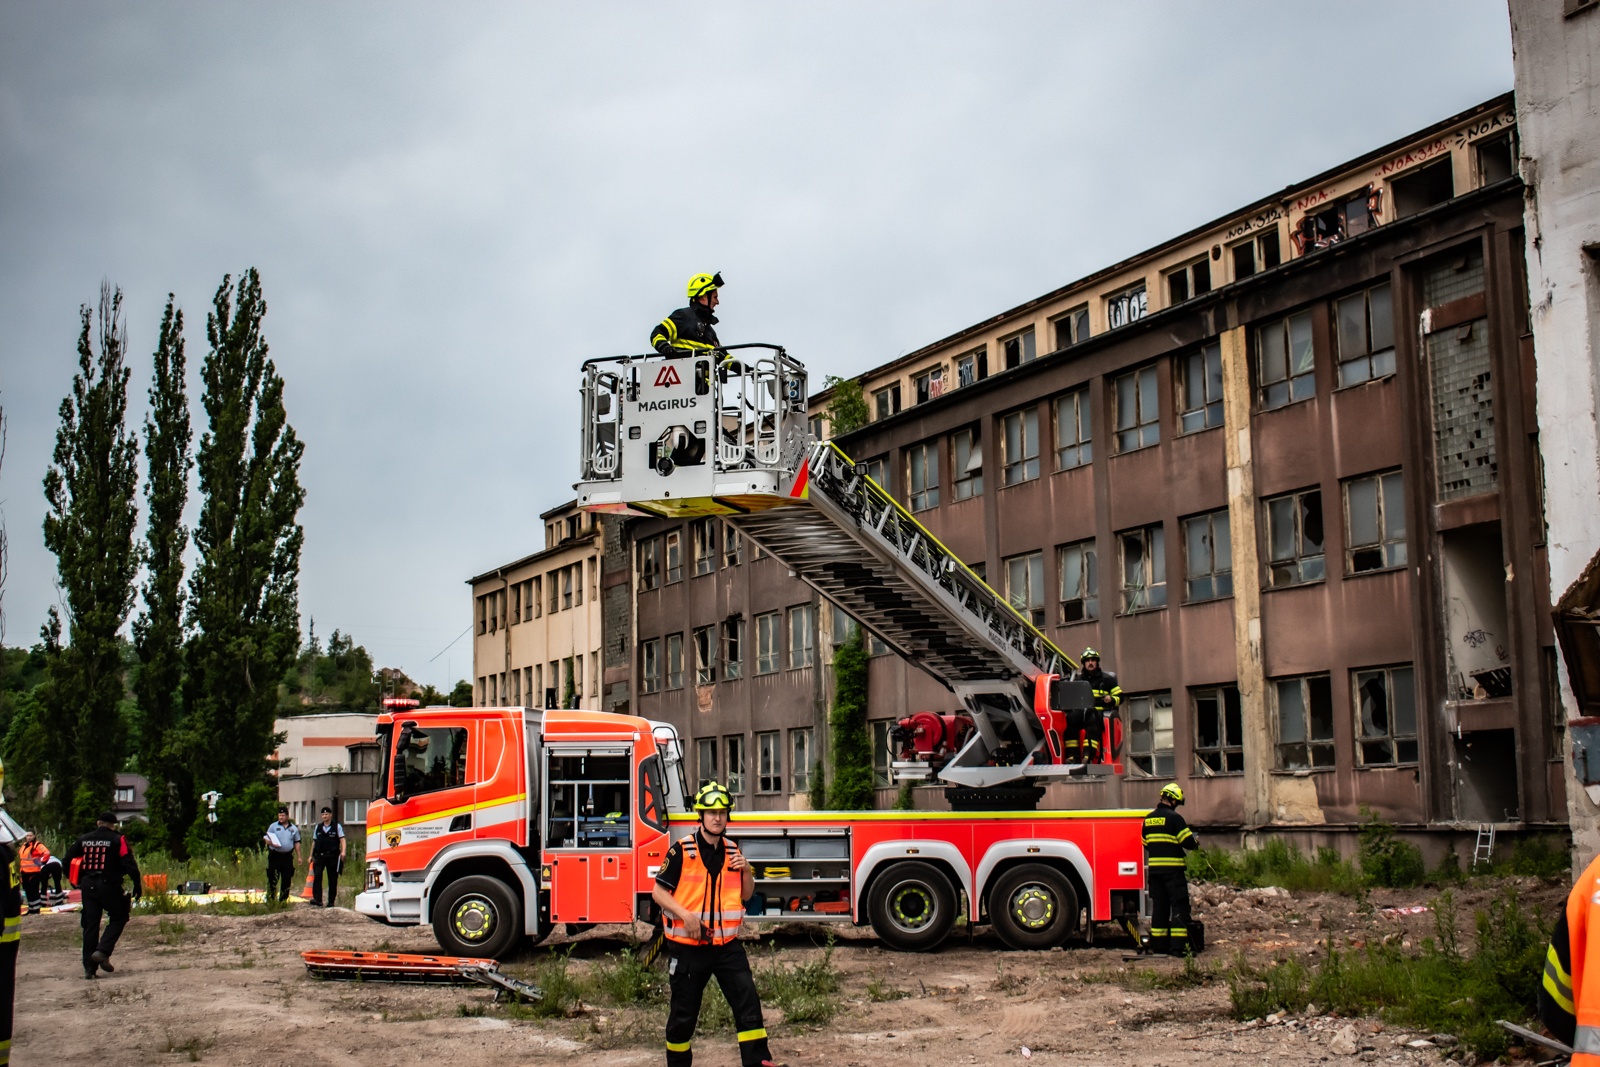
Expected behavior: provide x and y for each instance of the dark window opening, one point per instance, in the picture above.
(1497, 158)
(1420, 189)
(1218, 731)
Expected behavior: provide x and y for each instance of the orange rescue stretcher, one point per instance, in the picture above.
(408, 967)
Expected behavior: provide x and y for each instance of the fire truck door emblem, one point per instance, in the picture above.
(667, 376)
(392, 838)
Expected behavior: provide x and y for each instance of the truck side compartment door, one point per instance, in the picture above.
(589, 833)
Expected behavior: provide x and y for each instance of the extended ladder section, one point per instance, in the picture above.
(841, 533)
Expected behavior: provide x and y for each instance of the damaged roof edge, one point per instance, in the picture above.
(1287, 193)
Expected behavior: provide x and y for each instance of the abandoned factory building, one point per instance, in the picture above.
(1281, 470)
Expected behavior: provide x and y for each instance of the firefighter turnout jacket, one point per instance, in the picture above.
(1167, 839)
(1569, 995)
(689, 329)
(716, 895)
(1107, 693)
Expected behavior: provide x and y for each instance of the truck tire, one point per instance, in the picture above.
(1033, 906)
(912, 906)
(477, 916)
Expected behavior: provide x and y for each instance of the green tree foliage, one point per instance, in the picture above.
(89, 526)
(461, 695)
(851, 787)
(24, 685)
(243, 610)
(158, 630)
(338, 678)
(847, 410)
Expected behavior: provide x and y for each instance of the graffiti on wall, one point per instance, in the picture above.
(1482, 127)
(1415, 156)
(1256, 222)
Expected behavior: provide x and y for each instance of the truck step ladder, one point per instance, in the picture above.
(1483, 849)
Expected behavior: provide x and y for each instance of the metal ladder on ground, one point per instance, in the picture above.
(1483, 849)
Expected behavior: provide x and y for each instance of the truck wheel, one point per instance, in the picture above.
(1033, 906)
(912, 906)
(477, 916)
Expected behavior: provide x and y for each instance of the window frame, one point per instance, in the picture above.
(1193, 279)
(732, 547)
(769, 626)
(1024, 468)
(882, 744)
(1127, 305)
(734, 780)
(1087, 569)
(1310, 567)
(800, 770)
(731, 635)
(928, 384)
(1207, 359)
(978, 361)
(1163, 762)
(703, 746)
(927, 497)
(703, 545)
(704, 640)
(801, 623)
(1073, 408)
(966, 484)
(1022, 345)
(877, 468)
(1145, 428)
(1391, 737)
(769, 761)
(1076, 323)
(649, 666)
(1372, 356)
(672, 551)
(1296, 387)
(1327, 745)
(1229, 734)
(1392, 550)
(1154, 560)
(673, 646)
(886, 401)
(1214, 574)
(1032, 569)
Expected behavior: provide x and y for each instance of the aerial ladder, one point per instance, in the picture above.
(726, 433)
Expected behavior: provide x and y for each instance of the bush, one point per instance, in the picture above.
(1275, 864)
(1385, 859)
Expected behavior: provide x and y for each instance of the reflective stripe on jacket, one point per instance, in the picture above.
(718, 899)
(1167, 838)
(689, 329)
(1569, 1004)
(33, 857)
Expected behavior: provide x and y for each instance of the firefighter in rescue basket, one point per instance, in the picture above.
(701, 889)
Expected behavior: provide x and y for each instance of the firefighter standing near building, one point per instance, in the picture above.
(105, 858)
(1569, 995)
(693, 328)
(1107, 699)
(1167, 841)
(701, 889)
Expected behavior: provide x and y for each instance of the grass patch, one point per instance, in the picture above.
(1439, 987)
(1277, 864)
(171, 931)
(880, 992)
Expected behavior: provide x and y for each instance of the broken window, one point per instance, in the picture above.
(703, 538)
(1294, 539)
(674, 661)
(705, 655)
(1150, 735)
(1465, 458)
(732, 547)
(1138, 410)
(1191, 279)
(800, 759)
(929, 384)
(767, 627)
(1144, 568)
(966, 463)
(1305, 722)
(1208, 557)
(972, 367)
(887, 401)
(1218, 731)
(649, 665)
(1453, 275)
(674, 554)
(732, 648)
(1386, 716)
(769, 765)
(1071, 328)
(1364, 333)
(1020, 451)
(1285, 362)
(1127, 306)
(1200, 406)
(1019, 349)
(1025, 585)
(1375, 522)
(1419, 189)
(1073, 430)
(1080, 582)
(1255, 254)
(922, 475)
(706, 759)
(1496, 158)
(733, 746)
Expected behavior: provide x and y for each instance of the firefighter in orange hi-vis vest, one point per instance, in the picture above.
(701, 889)
(1569, 995)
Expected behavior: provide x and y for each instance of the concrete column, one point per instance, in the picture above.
(1246, 580)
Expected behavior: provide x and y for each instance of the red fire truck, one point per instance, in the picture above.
(496, 824)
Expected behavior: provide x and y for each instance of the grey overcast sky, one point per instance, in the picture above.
(453, 205)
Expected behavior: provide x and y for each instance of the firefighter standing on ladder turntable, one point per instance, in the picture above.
(701, 889)
(1167, 842)
(1107, 698)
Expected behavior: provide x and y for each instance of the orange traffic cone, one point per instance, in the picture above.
(305, 894)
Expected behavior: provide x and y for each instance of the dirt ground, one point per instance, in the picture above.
(233, 990)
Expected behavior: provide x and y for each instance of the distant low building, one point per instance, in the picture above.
(330, 759)
(129, 801)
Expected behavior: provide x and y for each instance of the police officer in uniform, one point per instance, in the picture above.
(701, 889)
(691, 329)
(1167, 841)
(327, 858)
(1107, 699)
(106, 859)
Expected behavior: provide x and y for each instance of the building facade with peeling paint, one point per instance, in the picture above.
(1555, 43)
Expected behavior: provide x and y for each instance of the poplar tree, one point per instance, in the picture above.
(158, 631)
(851, 786)
(243, 612)
(90, 489)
